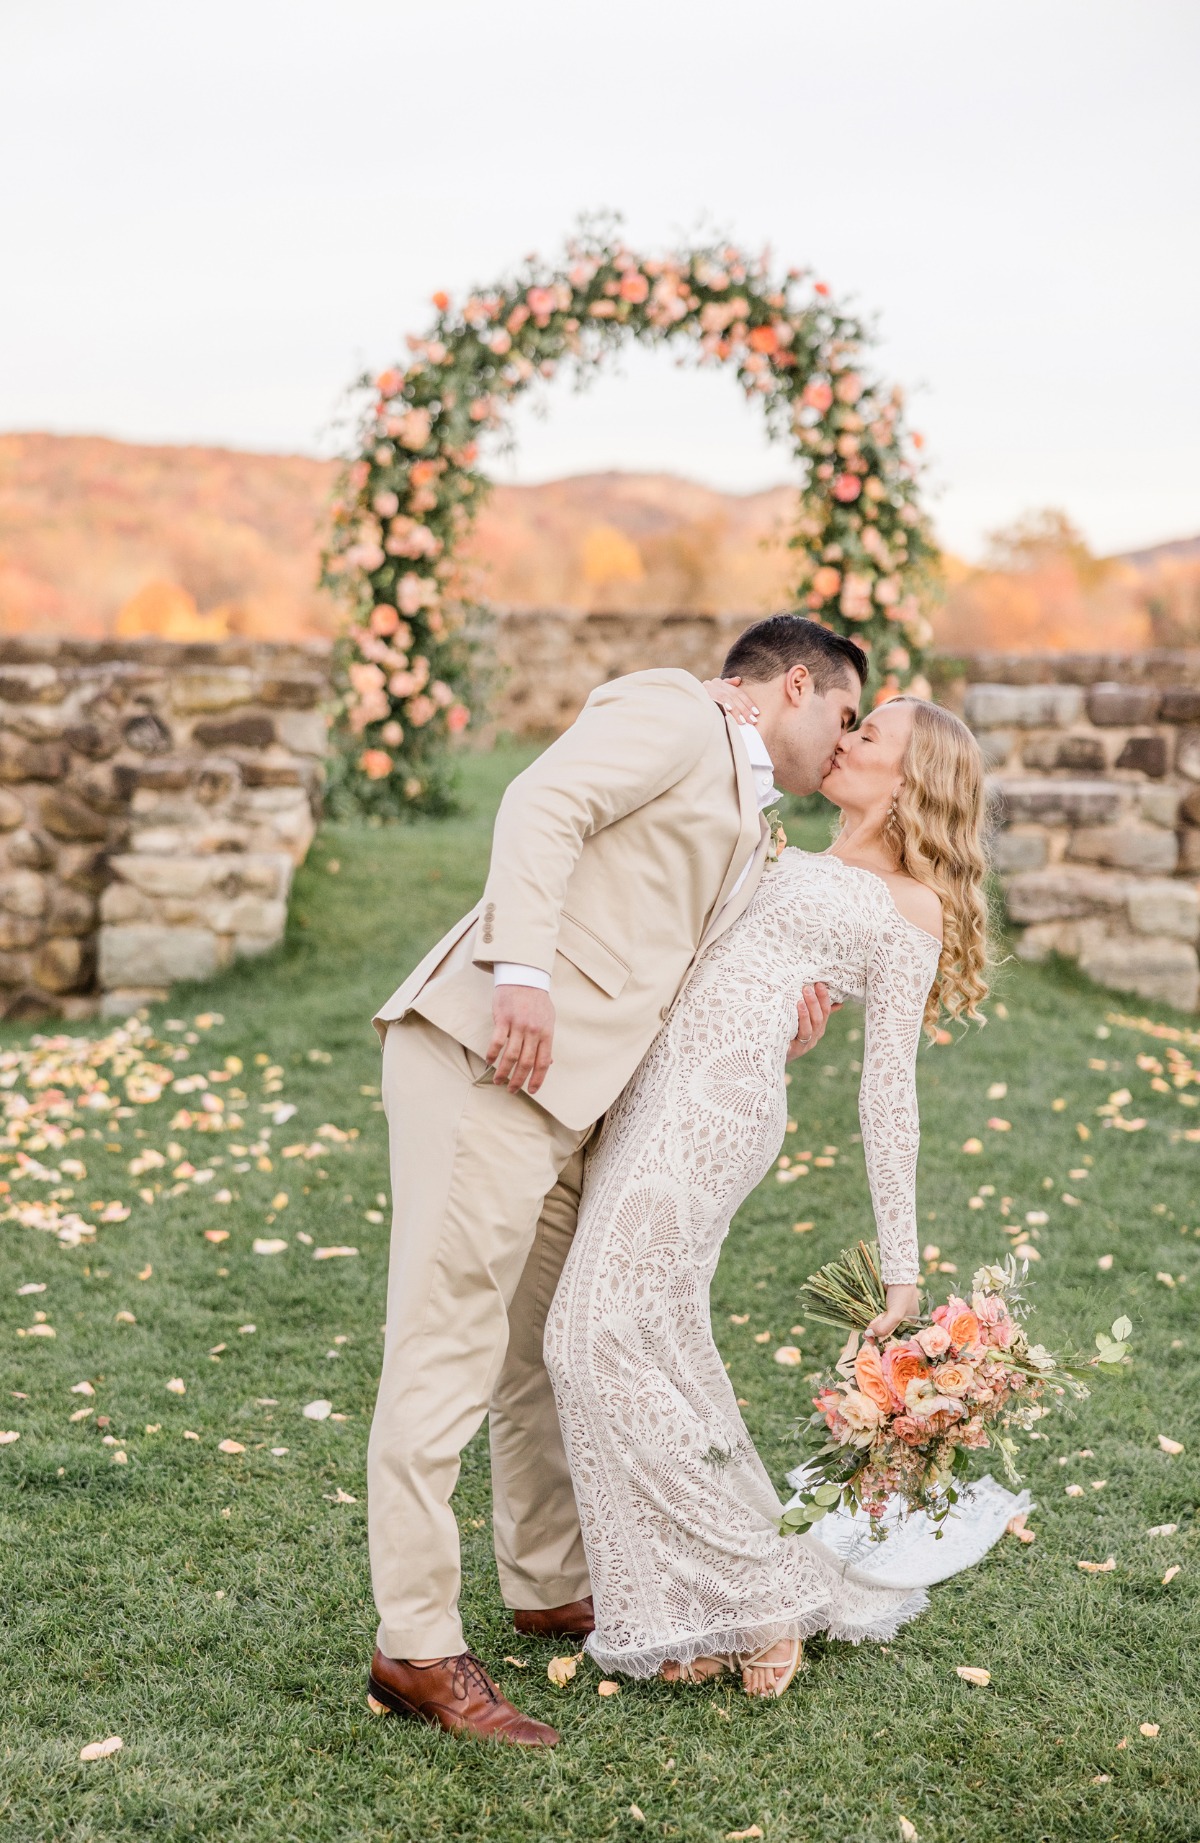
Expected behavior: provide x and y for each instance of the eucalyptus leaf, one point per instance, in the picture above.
(1122, 1329)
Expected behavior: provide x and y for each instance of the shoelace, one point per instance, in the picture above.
(469, 1673)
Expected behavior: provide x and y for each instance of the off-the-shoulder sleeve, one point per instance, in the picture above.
(899, 974)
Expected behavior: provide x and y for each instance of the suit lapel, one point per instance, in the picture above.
(752, 834)
(733, 906)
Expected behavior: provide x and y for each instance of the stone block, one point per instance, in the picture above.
(294, 691)
(1181, 704)
(271, 774)
(249, 946)
(996, 746)
(218, 688)
(1187, 755)
(71, 818)
(64, 965)
(120, 902)
(1165, 905)
(1076, 754)
(1019, 848)
(1189, 807)
(95, 740)
(12, 812)
(1189, 852)
(23, 892)
(1159, 805)
(171, 775)
(246, 732)
(82, 867)
(1154, 966)
(22, 760)
(249, 915)
(147, 734)
(1042, 939)
(1024, 707)
(190, 840)
(1148, 850)
(173, 875)
(14, 969)
(32, 850)
(1065, 893)
(1118, 706)
(71, 912)
(1058, 803)
(128, 999)
(305, 732)
(142, 954)
(18, 931)
(32, 684)
(1145, 755)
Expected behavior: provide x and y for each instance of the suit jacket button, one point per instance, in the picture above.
(665, 1013)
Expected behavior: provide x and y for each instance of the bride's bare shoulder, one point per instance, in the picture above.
(918, 904)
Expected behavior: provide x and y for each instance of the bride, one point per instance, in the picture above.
(689, 1574)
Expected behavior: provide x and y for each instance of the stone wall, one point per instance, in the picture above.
(154, 801)
(1095, 766)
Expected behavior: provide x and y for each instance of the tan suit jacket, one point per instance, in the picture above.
(613, 861)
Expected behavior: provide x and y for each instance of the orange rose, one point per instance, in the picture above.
(964, 1330)
(902, 1364)
(868, 1373)
(763, 339)
(375, 763)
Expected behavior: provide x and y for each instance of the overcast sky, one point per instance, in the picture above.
(213, 215)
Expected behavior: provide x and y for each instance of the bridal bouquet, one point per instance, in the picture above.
(900, 1420)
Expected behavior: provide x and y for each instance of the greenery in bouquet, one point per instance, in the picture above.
(413, 482)
(902, 1421)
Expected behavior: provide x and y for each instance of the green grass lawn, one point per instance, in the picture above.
(214, 1609)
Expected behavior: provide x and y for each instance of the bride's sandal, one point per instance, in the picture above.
(696, 1670)
(778, 1672)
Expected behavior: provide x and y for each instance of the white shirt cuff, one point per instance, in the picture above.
(510, 972)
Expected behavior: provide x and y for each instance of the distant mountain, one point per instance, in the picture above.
(1179, 550)
(98, 536)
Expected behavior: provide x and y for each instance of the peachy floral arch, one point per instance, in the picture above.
(407, 498)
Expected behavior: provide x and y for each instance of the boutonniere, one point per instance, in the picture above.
(778, 837)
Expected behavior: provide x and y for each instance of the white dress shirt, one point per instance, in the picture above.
(508, 972)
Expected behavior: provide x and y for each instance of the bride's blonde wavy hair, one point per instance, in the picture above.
(935, 829)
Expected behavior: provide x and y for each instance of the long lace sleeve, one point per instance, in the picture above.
(900, 972)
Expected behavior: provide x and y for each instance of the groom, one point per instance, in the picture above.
(627, 847)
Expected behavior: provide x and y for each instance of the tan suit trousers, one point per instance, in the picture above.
(485, 1189)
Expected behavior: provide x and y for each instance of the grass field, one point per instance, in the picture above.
(214, 1609)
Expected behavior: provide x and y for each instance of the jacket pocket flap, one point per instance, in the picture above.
(587, 952)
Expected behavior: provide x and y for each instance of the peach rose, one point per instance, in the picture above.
(817, 395)
(909, 1430)
(375, 764)
(954, 1378)
(959, 1320)
(923, 1401)
(414, 427)
(392, 734)
(846, 488)
(388, 382)
(457, 718)
(420, 710)
(763, 339)
(849, 387)
(861, 1416)
(634, 287)
(868, 1373)
(903, 1364)
(827, 581)
(384, 619)
(934, 1340)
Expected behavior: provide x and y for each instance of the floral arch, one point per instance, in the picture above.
(407, 498)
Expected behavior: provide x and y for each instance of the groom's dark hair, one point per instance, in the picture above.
(786, 640)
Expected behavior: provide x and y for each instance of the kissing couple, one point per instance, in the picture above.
(583, 1081)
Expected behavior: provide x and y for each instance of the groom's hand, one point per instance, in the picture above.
(812, 1015)
(522, 1037)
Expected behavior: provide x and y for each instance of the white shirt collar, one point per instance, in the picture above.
(761, 765)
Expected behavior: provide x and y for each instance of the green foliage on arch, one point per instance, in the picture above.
(407, 497)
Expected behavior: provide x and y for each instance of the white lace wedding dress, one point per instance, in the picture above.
(678, 1512)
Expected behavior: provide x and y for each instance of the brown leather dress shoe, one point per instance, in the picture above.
(573, 1621)
(456, 1693)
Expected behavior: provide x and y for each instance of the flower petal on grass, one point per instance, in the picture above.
(908, 1831)
(1149, 1729)
(216, 1235)
(1162, 1529)
(81, 1388)
(1097, 1567)
(265, 1244)
(230, 1446)
(736, 1836)
(560, 1670)
(331, 1254)
(970, 1673)
(176, 1386)
(1169, 1576)
(608, 1688)
(340, 1497)
(10, 1437)
(788, 1356)
(317, 1410)
(637, 1814)
(1016, 1527)
(100, 1750)
(1170, 1446)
